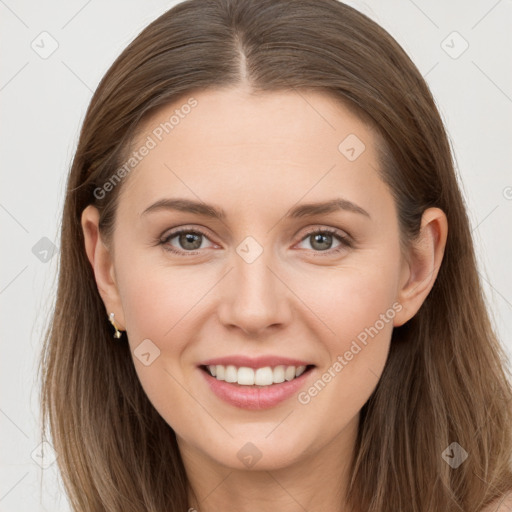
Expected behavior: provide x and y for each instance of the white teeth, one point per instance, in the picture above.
(220, 372)
(299, 371)
(289, 373)
(245, 376)
(265, 376)
(278, 376)
(231, 374)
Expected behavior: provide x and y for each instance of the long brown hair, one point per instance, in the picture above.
(444, 380)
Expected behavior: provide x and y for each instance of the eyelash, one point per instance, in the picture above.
(346, 242)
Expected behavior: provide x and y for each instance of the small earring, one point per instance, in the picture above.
(118, 333)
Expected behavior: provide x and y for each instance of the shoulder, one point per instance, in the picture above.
(502, 504)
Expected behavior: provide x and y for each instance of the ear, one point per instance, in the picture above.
(101, 260)
(421, 264)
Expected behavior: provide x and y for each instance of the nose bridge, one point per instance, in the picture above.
(255, 297)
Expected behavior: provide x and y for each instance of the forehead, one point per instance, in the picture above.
(238, 115)
(233, 144)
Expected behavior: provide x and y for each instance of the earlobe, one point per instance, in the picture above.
(102, 264)
(422, 264)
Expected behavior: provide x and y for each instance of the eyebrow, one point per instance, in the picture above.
(302, 210)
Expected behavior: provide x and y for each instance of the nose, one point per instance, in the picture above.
(255, 298)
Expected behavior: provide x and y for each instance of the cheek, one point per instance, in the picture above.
(349, 298)
(355, 307)
(158, 299)
(160, 304)
(358, 354)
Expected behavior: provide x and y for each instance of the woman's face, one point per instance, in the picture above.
(302, 268)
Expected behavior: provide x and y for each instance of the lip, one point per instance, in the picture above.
(255, 397)
(255, 362)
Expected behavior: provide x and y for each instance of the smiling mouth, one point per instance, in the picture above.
(244, 376)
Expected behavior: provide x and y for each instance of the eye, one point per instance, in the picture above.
(190, 240)
(321, 240)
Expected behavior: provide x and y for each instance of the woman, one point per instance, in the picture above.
(268, 296)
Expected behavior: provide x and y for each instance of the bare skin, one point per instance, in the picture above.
(256, 157)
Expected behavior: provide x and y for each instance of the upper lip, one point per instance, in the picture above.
(254, 362)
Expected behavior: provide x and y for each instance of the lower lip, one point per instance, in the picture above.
(252, 397)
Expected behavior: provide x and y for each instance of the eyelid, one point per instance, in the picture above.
(327, 229)
(176, 231)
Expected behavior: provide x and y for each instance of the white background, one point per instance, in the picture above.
(43, 103)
